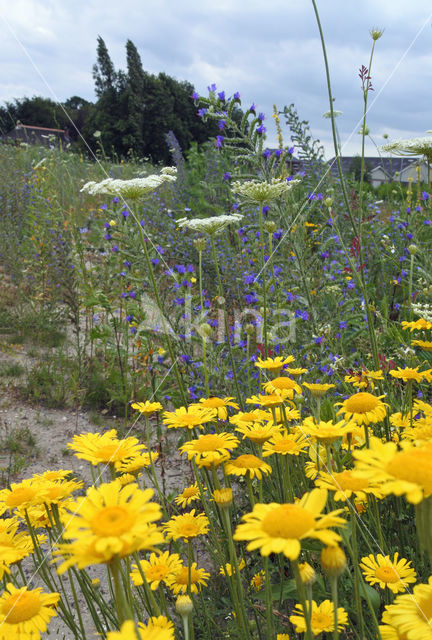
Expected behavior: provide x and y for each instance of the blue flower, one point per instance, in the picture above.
(211, 88)
(261, 129)
(195, 96)
(236, 96)
(218, 142)
(221, 95)
(226, 176)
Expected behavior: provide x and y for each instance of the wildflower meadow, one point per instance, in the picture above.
(265, 331)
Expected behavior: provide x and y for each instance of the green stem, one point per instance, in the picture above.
(124, 611)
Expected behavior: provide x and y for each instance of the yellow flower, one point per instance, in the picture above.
(326, 432)
(136, 462)
(219, 405)
(104, 448)
(307, 573)
(285, 444)
(14, 545)
(408, 374)
(24, 613)
(178, 581)
(188, 418)
(394, 574)
(282, 384)
(333, 560)
(211, 448)
(408, 471)
(297, 371)
(187, 526)
(20, 496)
(109, 521)
(322, 618)
(247, 464)
(410, 614)
(365, 378)
(274, 364)
(399, 420)
(184, 605)
(223, 497)
(420, 325)
(271, 400)
(156, 569)
(158, 622)
(258, 580)
(363, 408)
(346, 483)
(318, 390)
(229, 570)
(188, 495)
(426, 345)
(246, 418)
(147, 407)
(257, 432)
(279, 528)
(128, 632)
(420, 431)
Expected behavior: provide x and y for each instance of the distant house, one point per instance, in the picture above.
(37, 135)
(385, 169)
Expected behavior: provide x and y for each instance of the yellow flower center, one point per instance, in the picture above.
(283, 383)
(413, 466)
(247, 461)
(361, 403)
(249, 417)
(289, 521)
(209, 442)
(345, 480)
(424, 608)
(321, 620)
(112, 521)
(157, 573)
(189, 492)
(21, 606)
(387, 574)
(188, 529)
(182, 577)
(19, 496)
(213, 403)
(109, 452)
(192, 419)
(285, 444)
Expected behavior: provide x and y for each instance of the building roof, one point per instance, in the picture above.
(34, 134)
(389, 165)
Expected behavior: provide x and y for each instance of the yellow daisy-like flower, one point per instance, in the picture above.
(408, 374)
(297, 371)
(322, 618)
(156, 569)
(188, 495)
(24, 613)
(394, 574)
(128, 632)
(187, 418)
(426, 345)
(421, 431)
(282, 384)
(279, 528)
(246, 418)
(104, 448)
(273, 364)
(423, 407)
(219, 405)
(187, 526)
(210, 449)
(410, 614)
(14, 545)
(20, 496)
(400, 420)
(326, 432)
(364, 378)
(271, 400)
(258, 580)
(223, 497)
(258, 433)
(285, 443)
(417, 325)
(407, 471)
(347, 483)
(147, 407)
(109, 521)
(137, 462)
(229, 570)
(318, 390)
(363, 408)
(158, 622)
(307, 573)
(247, 464)
(178, 581)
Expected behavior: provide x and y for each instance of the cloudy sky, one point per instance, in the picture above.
(268, 51)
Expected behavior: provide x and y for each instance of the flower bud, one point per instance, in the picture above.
(184, 605)
(270, 226)
(413, 249)
(205, 330)
(328, 202)
(307, 573)
(333, 560)
(250, 329)
(223, 497)
(200, 244)
(376, 33)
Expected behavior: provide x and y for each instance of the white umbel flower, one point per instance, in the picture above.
(259, 192)
(212, 225)
(130, 189)
(411, 147)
